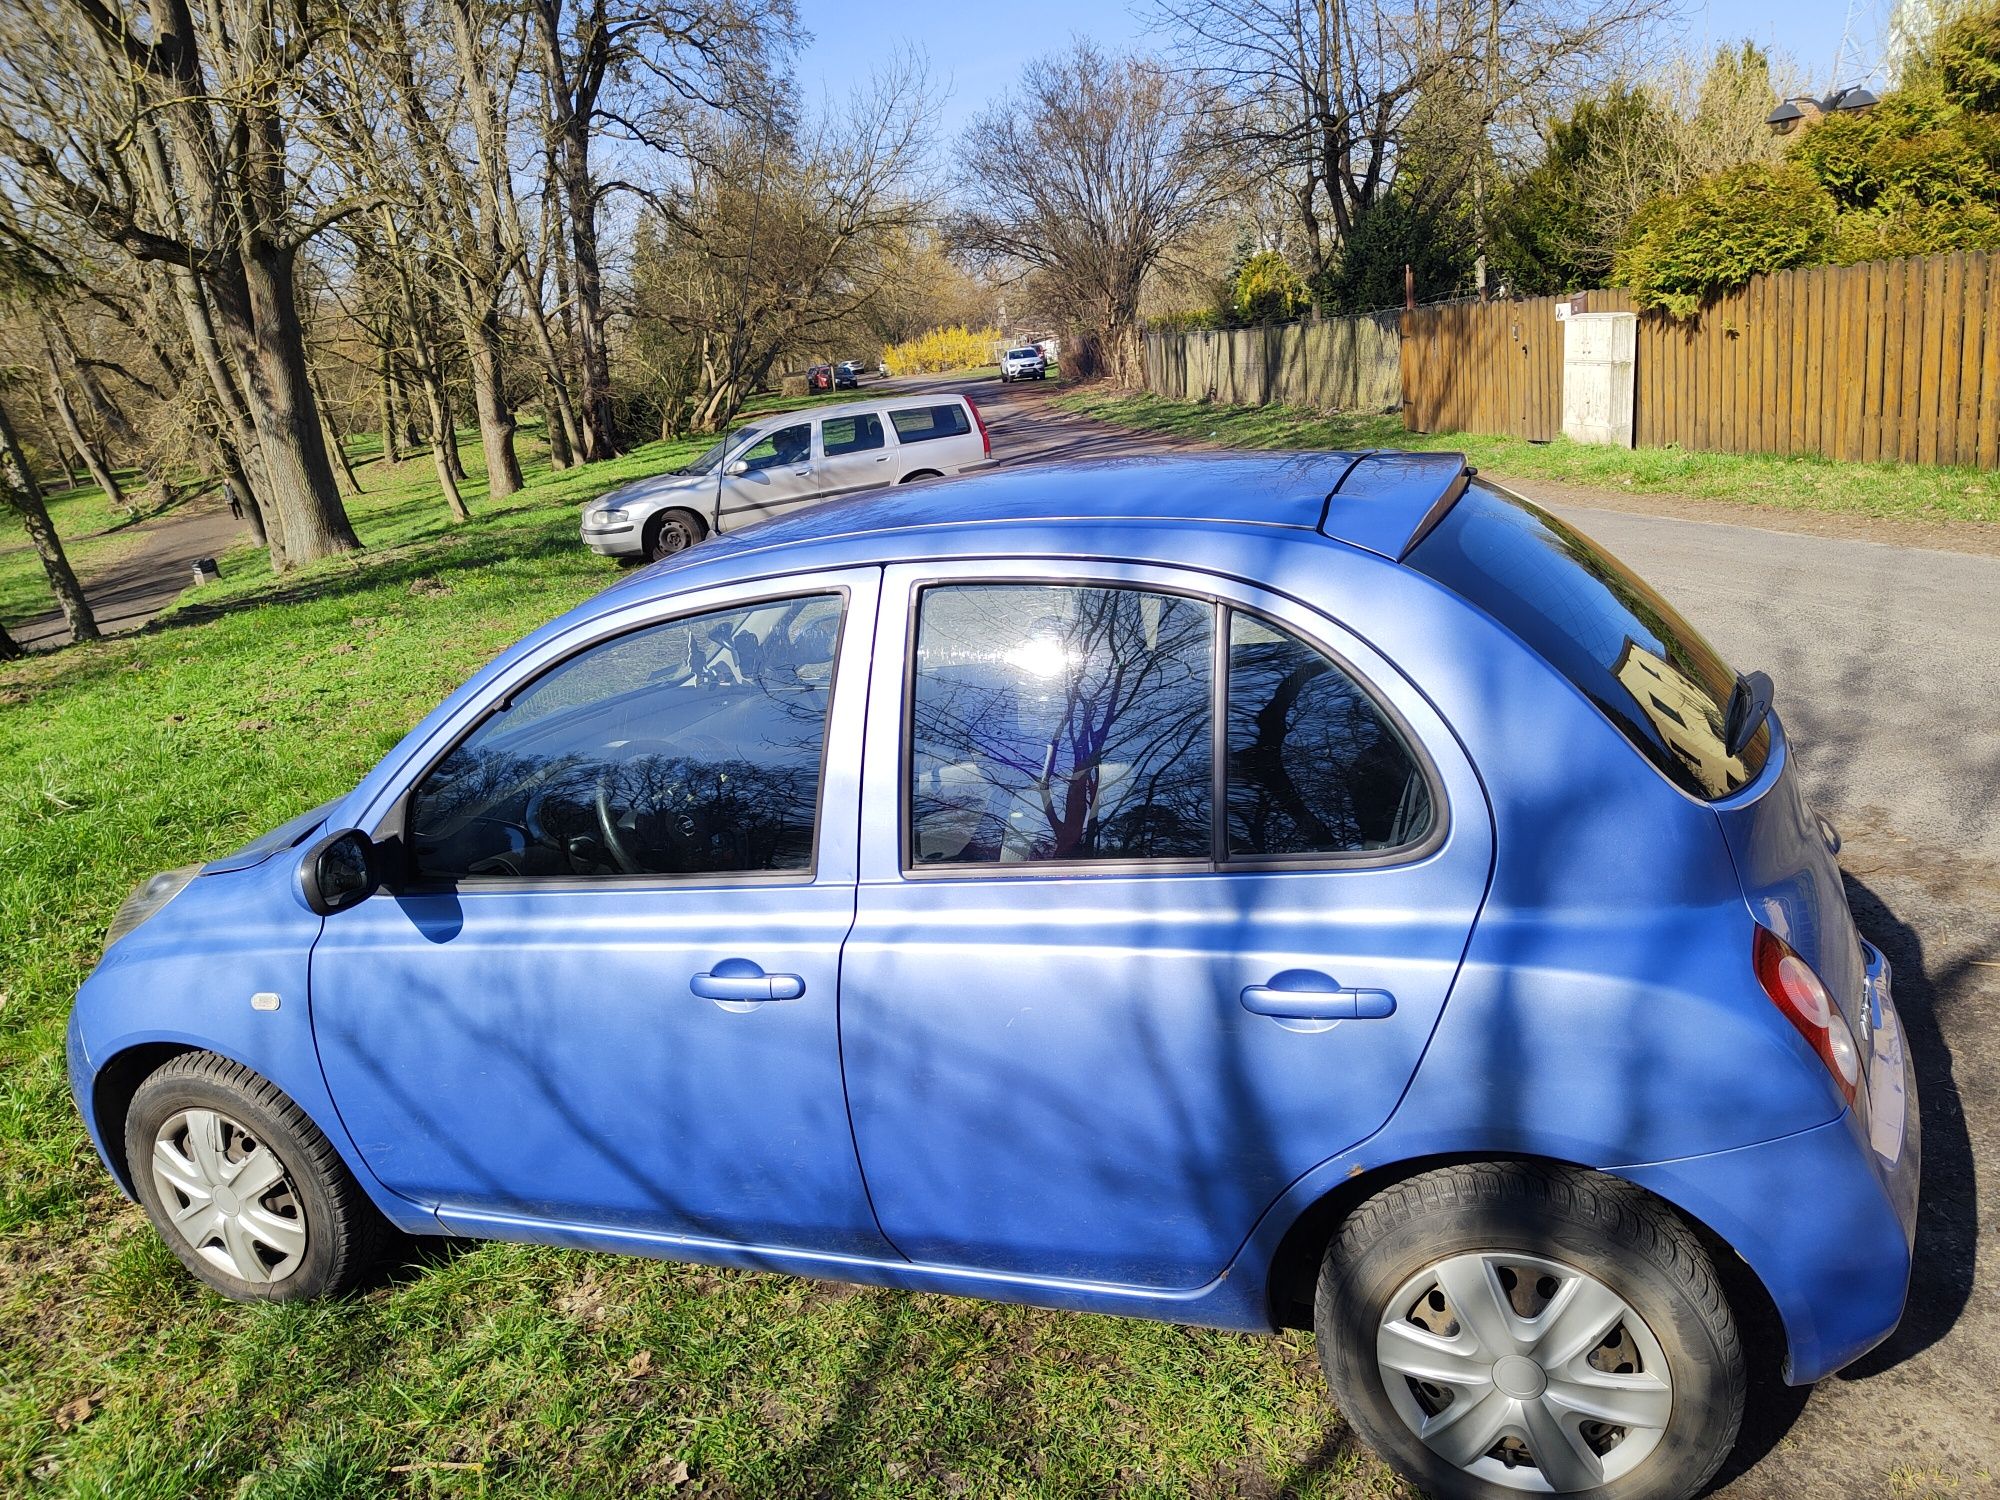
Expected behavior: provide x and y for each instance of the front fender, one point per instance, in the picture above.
(186, 980)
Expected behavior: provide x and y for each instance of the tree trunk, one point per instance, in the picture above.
(385, 400)
(259, 312)
(444, 449)
(328, 434)
(25, 496)
(489, 399)
(242, 497)
(93, 458)
(58, 449)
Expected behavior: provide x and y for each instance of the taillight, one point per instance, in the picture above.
(1798, 992)
(985, 437)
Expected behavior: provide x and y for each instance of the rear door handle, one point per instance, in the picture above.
(739, 981)
(1303, 995)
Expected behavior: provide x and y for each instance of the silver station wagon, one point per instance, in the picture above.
(784, 462)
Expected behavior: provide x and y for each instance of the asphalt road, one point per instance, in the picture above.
(1886, 661)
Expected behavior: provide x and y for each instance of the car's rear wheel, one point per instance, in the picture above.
(919, 474)
(672, 531)
(1507, 1327)
(243, 1187)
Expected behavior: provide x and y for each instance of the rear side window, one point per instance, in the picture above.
(1314, 766)
(1060, 723)
(840, 435)
(1591, 618)
(919, 424)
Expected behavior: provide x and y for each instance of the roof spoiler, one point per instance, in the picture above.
(1397, 497)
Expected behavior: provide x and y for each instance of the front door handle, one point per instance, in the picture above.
(1306, 995)
(739, 981)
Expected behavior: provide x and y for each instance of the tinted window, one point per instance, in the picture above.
(1595, 622)
(1054, 723)
(1022, 353)
(919, 424)
(838, 435)
(683, 749)
(1314, 766)
(788, 445)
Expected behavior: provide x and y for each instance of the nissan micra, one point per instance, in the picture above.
(1257, 891)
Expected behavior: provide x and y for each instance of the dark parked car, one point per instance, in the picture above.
(847, 374)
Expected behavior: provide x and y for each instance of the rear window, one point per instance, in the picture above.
(1591, 618)
(919, 424)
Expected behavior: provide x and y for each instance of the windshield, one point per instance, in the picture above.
(707, 462)
(1022, 353)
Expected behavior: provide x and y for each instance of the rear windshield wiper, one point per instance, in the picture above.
(1749, 705)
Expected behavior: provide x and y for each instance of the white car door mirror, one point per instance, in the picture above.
(739, 468)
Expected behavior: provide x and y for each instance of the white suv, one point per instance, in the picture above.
(785, 461)
(1023, 364)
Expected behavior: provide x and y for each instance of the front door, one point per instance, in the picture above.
(778, 475)
(606, 993)
(1161, 898)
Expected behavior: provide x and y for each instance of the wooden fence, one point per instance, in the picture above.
(1332, 364)
(1890, 360)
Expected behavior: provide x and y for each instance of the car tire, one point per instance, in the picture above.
(920, 474)
(1540, 1256)
(303, 1229)
(672, 532)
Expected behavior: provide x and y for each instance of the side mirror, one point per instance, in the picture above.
(339, 871)
(739, 468)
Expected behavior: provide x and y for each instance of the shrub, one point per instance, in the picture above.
(956, 348)
(1685, 247)
(1267, 290)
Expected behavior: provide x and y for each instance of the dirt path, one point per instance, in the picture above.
(127, 593)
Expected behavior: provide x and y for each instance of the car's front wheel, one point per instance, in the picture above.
(243, 1187)
(1508, 1327)
(671, 532)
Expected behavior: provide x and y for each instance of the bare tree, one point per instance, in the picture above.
(629, 66)
(24, 498)
(1326, 91)
(778, 238)
(169, 137)
(1089, 175)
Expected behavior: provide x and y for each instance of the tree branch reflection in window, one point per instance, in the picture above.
(1314, 766)
(1060, 723)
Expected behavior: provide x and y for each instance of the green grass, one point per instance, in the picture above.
(502, 1370)
(1902, 491)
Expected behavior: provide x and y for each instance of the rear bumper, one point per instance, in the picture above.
(1826, 1218)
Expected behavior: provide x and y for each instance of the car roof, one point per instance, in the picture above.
(1379, 501)
(765, 420)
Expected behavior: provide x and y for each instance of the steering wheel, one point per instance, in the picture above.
(607, 824)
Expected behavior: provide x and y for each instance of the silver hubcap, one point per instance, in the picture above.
(1524, 1372)
(229, 1196)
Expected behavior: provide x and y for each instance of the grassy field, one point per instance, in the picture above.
(498, 1370)
(1904, 491)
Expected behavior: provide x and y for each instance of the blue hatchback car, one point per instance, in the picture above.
(1259, 891)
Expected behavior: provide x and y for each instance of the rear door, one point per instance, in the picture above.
(1092, 1027)
(854, 453)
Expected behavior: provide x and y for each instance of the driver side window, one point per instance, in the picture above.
(690, 748)
(786, 446)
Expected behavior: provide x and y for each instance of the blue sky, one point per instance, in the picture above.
(977, 47)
